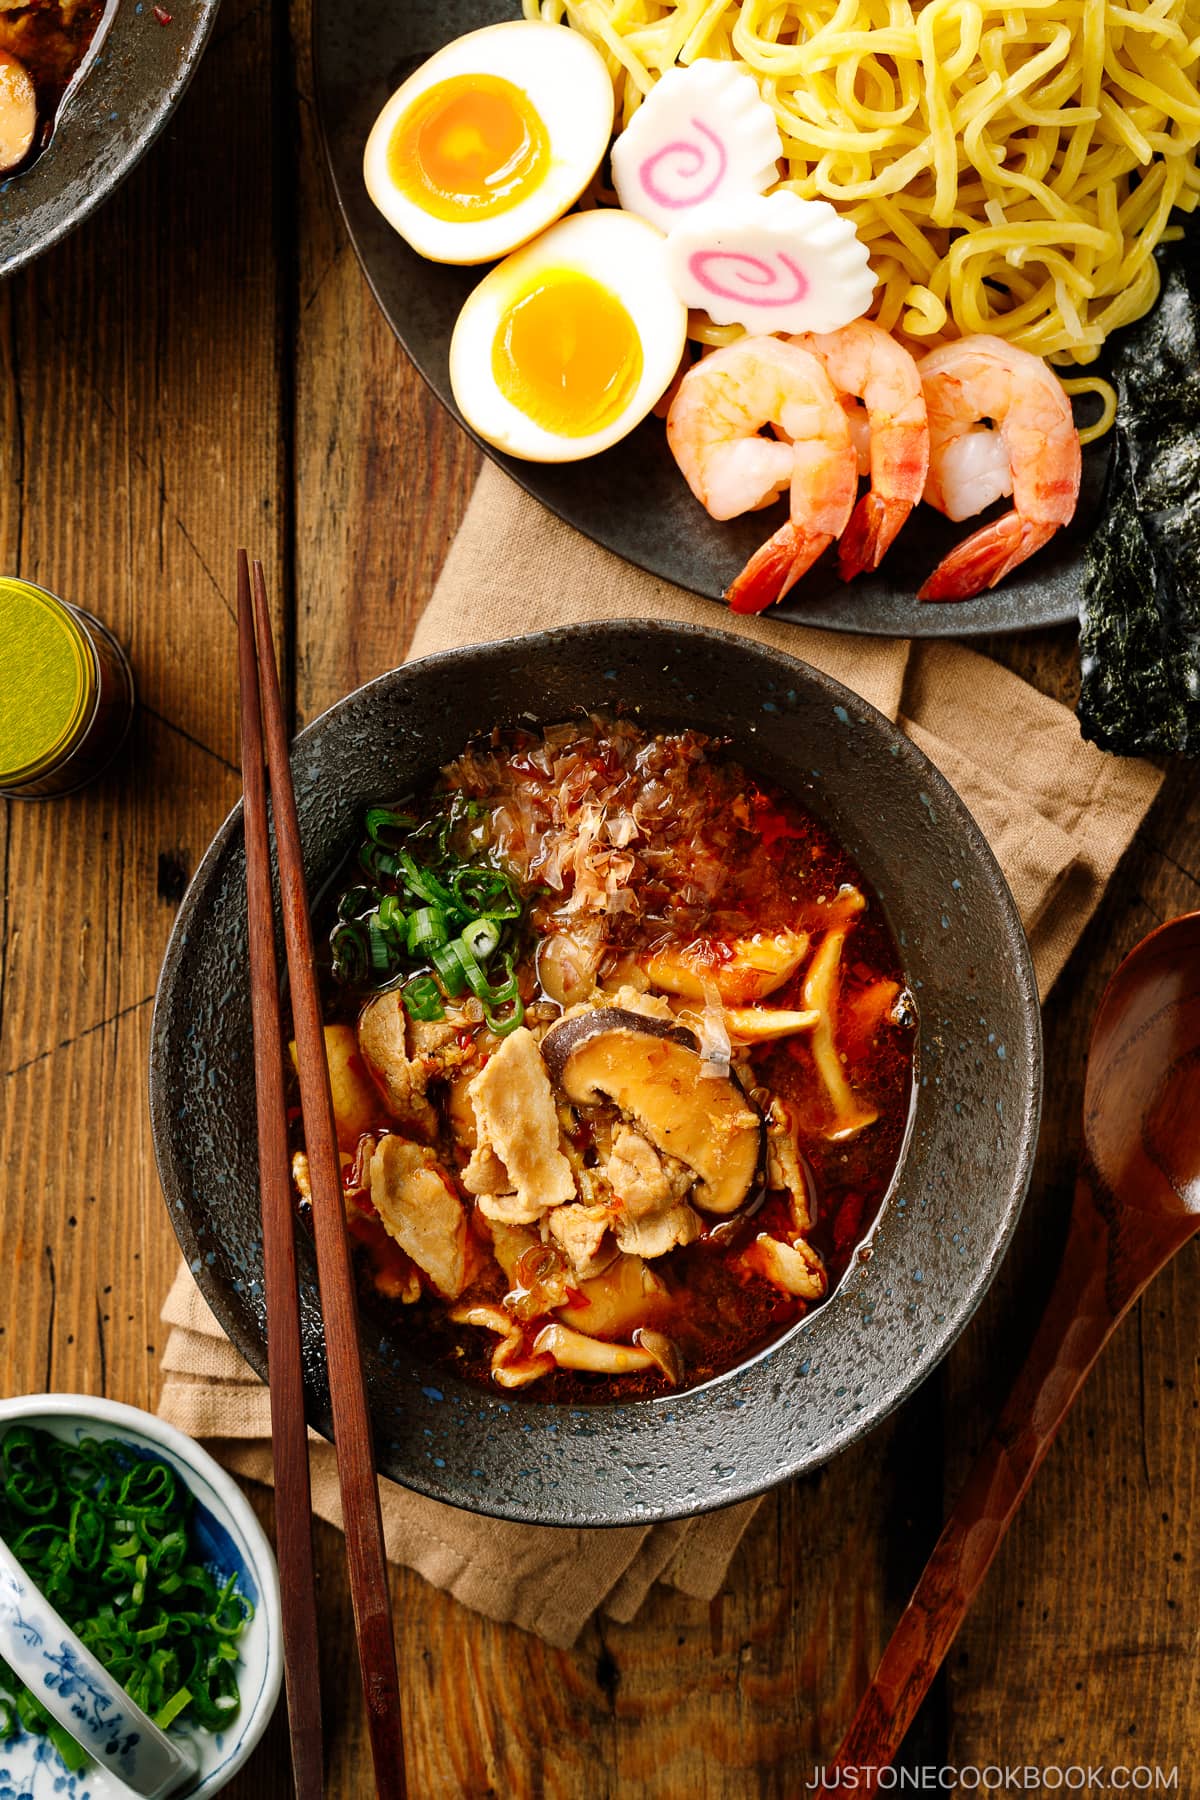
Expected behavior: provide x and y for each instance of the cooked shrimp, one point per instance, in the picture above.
(713, 429)
(878, 384)
(999, 423)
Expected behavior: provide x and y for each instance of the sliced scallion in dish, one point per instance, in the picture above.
(435, 921)
(103, 1532)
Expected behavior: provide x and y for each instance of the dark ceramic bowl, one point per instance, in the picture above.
(124, 94)
(953, 1205)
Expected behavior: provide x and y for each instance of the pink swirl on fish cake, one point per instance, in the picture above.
(692, 159)
(753, 274)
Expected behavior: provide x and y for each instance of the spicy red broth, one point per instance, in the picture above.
(621, 1050)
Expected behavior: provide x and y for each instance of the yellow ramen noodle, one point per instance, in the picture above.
(1010, 166)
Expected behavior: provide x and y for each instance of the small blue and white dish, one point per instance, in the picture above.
(130, 1755)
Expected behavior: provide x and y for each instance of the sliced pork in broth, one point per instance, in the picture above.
(621, 1056)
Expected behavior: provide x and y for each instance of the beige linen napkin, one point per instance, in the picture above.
(1058, 814)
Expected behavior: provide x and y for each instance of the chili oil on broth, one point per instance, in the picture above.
(643, 863)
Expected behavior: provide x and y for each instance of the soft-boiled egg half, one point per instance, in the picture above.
(491, 140)
(565, 346)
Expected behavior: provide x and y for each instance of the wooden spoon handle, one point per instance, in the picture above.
(1103, 1271)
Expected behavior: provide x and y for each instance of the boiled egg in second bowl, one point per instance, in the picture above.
(491, 140)
(566, 345)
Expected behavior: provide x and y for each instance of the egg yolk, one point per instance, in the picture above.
(468, 148)
(567, 354)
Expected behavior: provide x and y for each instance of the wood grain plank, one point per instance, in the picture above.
(140, 377)
(1081, 1647)
(382, 473)
(737, 1698)
(81, 1213)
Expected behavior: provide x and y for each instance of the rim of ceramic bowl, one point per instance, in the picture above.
(32, 1407)
(659, 639)
(131, 86)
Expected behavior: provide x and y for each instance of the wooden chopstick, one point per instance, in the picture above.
(369, 1588)
(289, 1437)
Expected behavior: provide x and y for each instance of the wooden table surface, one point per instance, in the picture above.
(202, 366)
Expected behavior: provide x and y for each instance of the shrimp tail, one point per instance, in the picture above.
(775, 568)
(767, 577)
(868, 537)
(986, 557)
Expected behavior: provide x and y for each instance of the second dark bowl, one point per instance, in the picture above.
(957, 1194)
(127, 91)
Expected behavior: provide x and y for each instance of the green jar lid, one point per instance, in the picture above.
(48, 685)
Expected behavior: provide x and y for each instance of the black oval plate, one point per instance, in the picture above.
(128, 89)
(632, 499)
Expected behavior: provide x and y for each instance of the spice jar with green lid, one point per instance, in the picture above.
(66, 694)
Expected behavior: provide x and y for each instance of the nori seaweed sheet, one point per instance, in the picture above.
(1140, 610)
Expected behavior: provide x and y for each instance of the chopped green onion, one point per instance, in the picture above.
(427, 931)
(422, 1000)
(378, 948)
(355, 900)
(382, 818)
(502, 1024)
(391, 916)
(86, 1536)
(436, 832)
(459, 968)
(507, 989)
(506, 993)
(481, 937)
(215, 1696)
(425, 884)
(477, 981)
(173, 1708)
(455, 916)
(348, 944)
(378, 862)
(26, 1484)
(487, 891)
(448, 962)
(102, 1532)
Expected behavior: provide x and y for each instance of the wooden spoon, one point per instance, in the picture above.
(1137, 1201)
